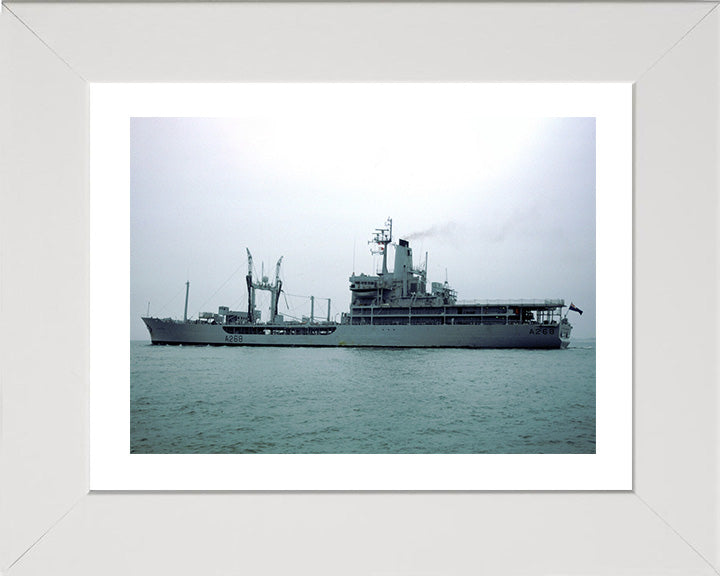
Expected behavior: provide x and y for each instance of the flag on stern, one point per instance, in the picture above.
(573, 307)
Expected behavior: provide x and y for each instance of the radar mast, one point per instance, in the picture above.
(381, 238)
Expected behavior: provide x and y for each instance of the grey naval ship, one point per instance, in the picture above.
(390, 309)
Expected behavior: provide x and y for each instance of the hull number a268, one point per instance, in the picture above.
(235, 338)
(544, 331)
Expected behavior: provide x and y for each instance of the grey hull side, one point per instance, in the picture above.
(469, 336)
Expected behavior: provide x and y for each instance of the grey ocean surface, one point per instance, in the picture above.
(228, 400)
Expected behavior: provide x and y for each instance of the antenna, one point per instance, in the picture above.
(148, 310)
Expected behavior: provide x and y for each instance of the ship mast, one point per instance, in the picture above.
(383, 237)
(187, 293)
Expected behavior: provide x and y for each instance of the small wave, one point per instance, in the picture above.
(511, 402)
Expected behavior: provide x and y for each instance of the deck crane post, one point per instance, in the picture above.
(250, 289)
(277, 288)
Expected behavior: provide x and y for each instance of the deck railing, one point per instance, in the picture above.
(546, 302)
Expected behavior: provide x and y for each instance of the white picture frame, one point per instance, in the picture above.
(667, 524)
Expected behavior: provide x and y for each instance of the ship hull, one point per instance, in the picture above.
(443, 336)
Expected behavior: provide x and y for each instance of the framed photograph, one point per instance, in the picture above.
(661, 522)
(515, 190)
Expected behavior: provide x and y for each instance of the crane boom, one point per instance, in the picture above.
(250, 288)
(275, 292)
(263, 284)
(250, 263)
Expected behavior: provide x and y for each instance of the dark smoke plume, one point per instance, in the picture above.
(438, 230)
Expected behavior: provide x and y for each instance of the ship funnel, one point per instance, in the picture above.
(403, 264)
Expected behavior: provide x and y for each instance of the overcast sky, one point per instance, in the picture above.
(505, 205)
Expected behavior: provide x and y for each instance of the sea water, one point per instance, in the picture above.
(228, 400)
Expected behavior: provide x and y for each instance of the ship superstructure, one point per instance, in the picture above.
(389, 309)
